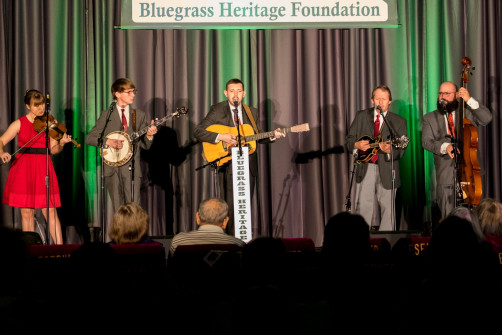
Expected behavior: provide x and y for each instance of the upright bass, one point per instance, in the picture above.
(469, 187)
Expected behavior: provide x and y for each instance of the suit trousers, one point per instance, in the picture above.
(369, 190)
(446, 199)
(120, 189)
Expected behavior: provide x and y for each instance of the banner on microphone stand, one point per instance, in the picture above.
(258, 14)
(242, 194)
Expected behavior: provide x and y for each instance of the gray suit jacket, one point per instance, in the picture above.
(115, 124)
(434, 134)
(220, 114)
(363, 125)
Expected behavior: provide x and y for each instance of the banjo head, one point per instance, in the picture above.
(118, 157)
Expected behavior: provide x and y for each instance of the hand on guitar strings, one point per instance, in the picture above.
(228, 138)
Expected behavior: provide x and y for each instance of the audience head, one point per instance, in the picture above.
(263, 259)
(490, 216)
(346, 237)
(213, 211)
(471, 217)
(129, 225)
(454, 243)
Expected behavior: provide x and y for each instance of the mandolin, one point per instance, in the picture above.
(366, 155)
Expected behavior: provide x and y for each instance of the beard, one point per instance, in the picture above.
(449, 107)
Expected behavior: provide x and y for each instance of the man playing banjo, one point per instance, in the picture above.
(112, 133)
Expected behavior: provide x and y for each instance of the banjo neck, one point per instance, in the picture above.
(141, 132)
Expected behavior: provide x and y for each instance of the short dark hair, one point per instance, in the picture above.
(234, 81)
(383, 88)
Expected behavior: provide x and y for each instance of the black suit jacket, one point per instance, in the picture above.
(363, 125)
(221, 114)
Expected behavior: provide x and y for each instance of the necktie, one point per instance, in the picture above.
(236, 118)
(124, 120)
(451, 125)
(376, 131)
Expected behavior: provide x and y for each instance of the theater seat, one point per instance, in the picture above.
(300, 244)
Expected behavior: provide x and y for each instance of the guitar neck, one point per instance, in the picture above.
(267, 134)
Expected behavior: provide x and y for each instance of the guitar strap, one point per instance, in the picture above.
(250, 116)
(134, 120)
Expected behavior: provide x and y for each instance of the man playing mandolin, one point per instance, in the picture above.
(230, 113)
(438, 137)
(374, 176)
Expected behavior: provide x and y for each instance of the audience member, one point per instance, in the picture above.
(17, 301)
(129, 225)
(348, 275)
(212, 218)
(461, 279)
(489, 213)
(471, 217)
(346, 240)
(263, 261)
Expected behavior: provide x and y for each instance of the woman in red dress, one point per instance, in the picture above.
(26, 187)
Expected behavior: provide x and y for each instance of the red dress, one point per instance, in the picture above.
(25, 187)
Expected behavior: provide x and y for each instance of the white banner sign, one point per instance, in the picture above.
(242, 194)
(257, 14)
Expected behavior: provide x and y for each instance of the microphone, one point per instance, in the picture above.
(112, 104)
(236, 103)
(379, 108)
(47, 102)
(442, 102)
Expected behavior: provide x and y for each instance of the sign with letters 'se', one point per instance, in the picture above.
(242, 194)
(258, 14)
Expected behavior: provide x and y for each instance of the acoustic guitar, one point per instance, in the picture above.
(222, 151)
(365, 156)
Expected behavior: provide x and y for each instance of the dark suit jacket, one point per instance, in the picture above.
(363, 125)
(115, 124)
(220, 114)
(434, 134)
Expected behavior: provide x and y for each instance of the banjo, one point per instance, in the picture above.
(119, 157)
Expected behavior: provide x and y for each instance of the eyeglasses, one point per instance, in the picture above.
(135, 91)
(445, 93)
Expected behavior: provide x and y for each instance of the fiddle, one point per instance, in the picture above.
(56, 129)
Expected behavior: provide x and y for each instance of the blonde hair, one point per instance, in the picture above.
(129, 225)
(490, 216)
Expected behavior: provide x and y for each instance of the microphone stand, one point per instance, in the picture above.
(131, 168)
(393, 171)
(47, 147)
(102, 188)
(237, 124)
(214, 164)
(347, 201)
